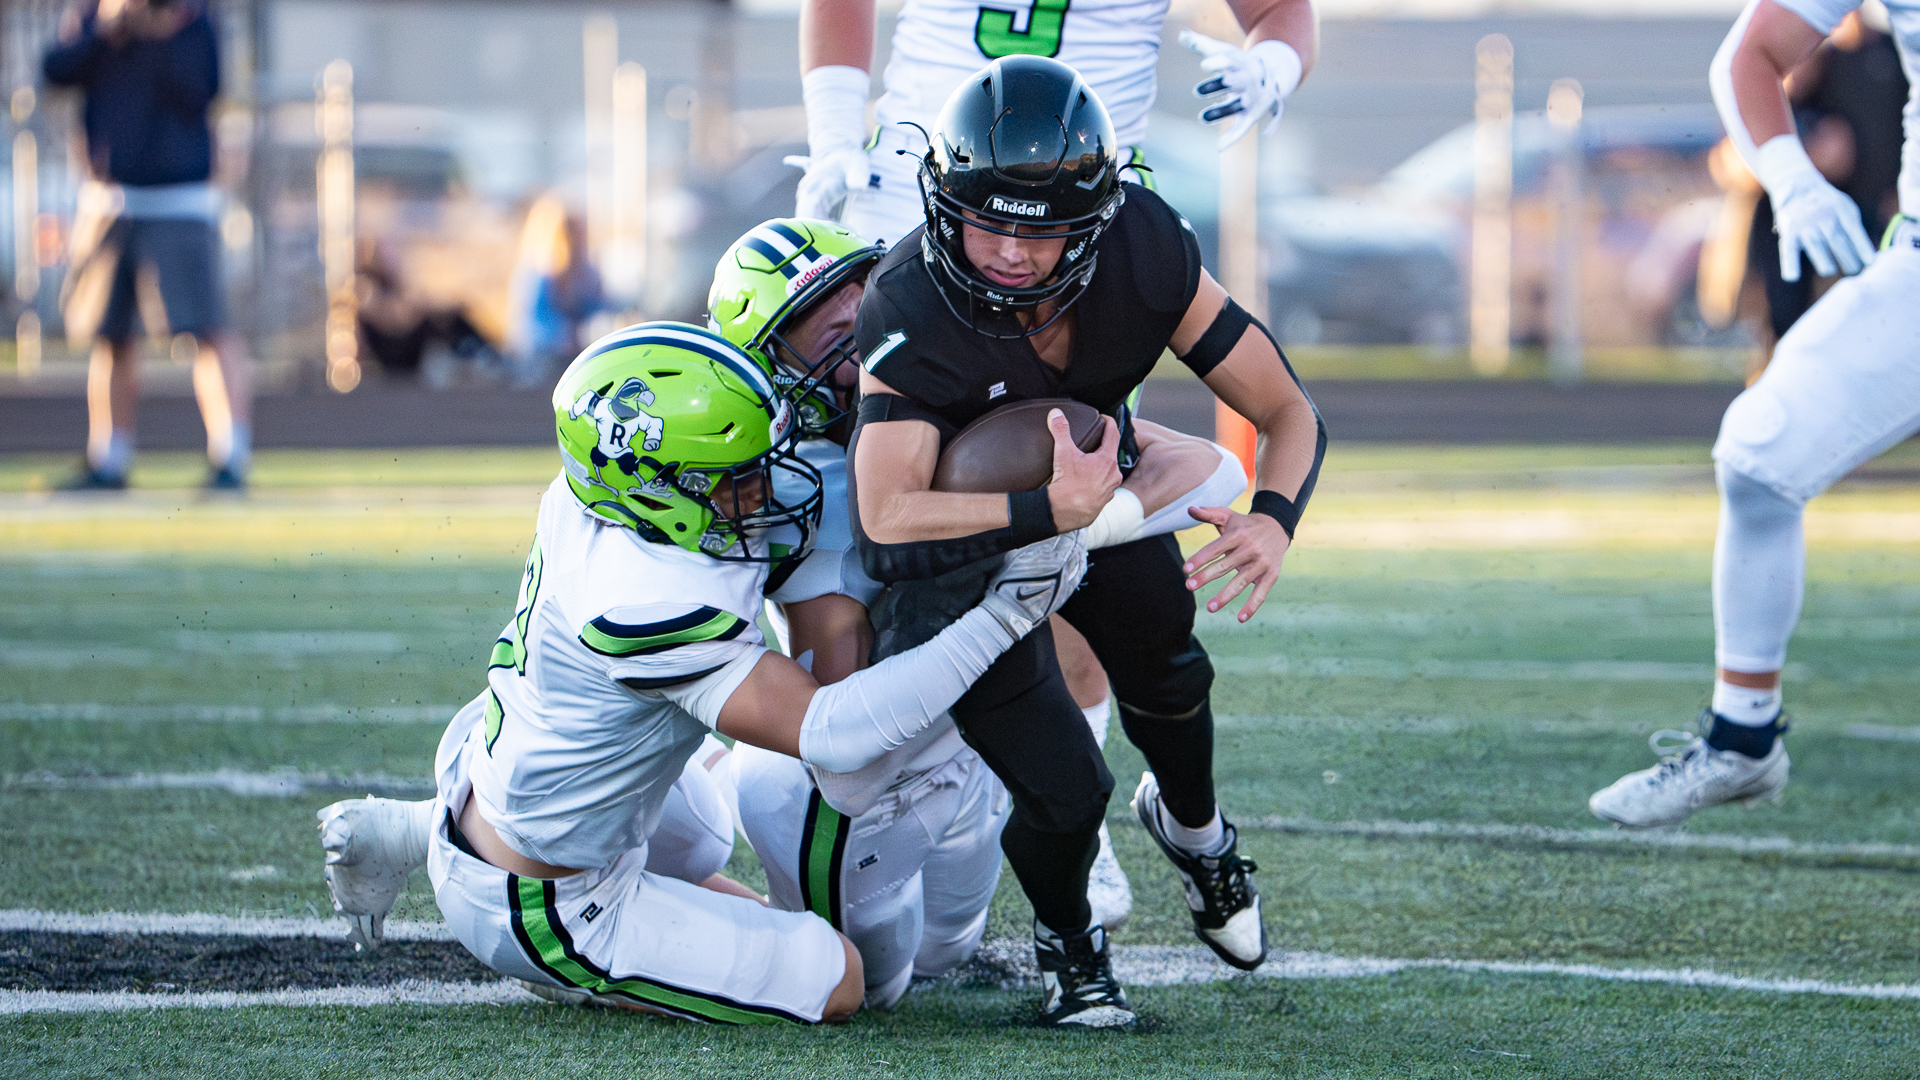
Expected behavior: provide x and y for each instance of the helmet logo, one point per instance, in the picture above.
(620, 417)
(1020, 207)
(782, 422)
(806, 277)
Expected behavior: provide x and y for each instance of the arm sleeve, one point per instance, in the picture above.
(1227, 483)
(852, 722)
(1821, 15)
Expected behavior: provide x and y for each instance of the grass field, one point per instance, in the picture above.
(1468, 642)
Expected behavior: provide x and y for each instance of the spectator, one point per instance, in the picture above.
(401, 329)
(148, 70)
(555, 290)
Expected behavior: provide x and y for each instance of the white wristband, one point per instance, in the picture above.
(1119, 521)
(1283, 65)
(836, 101)
(1783, 166)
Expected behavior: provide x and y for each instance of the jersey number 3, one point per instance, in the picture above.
(995, 35)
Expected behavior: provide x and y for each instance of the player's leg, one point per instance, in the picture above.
(1135, 610)
(860, 874)
(1108, 891)
(1843, 386)
(963, 869)
(113, 373)
(185, 255)
(694, 839)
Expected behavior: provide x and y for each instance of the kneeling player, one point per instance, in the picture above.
(633, 637)
(902, 856)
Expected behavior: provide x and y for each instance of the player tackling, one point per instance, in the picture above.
(1843, 386)
(633, 637)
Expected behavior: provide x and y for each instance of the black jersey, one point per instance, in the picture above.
(1146, 278)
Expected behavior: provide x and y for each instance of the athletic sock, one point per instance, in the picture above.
(1097, 720)
(1208, 840)
(240, 452)
(1179, 750)
(1052, 868)
(1745, 704)
(1754, 742)
(117, 460)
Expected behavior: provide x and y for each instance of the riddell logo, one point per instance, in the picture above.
(1017, 206)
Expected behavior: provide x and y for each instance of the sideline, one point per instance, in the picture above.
(1540, 834)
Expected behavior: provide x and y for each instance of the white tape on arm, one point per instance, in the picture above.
(835, 97)
(1119, 521)
(852, 722)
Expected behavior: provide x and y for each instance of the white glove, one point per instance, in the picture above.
(830, 176)
(1035, 581)
(1809, 214)
(835, 96)
(1248, 85)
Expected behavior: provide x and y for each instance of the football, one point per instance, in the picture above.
(1010, 448)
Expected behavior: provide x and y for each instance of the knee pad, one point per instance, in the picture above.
(1170, 689)
(1755, 503)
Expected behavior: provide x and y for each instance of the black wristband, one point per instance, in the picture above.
(1030, 516)
(1279, 508)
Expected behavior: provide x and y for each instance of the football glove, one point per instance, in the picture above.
(829, 178)
(1810, 215)
(835, 96)
(1035, 581)
(1248, 85)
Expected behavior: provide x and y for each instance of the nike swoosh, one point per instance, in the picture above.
(1025, 594)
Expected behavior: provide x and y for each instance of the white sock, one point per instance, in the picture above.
(419, 830)
(118, 457)
(1208, 839)
(1097, 720)
(1744, 704)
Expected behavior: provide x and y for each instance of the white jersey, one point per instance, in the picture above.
(1904, 19)
(616, 663)
(938, 43)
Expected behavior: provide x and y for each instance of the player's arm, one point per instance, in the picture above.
(1249, 83)
(846, 726)
(1174, 472)
(907, 530)
(1747, 76)
(1239, 361)
(836, 64)
(1294, 23)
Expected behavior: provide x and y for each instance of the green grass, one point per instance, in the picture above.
(338, 585)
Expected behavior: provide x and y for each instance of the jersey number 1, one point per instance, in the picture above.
(995, 35)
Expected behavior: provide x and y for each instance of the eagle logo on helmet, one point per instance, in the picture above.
(618, 418)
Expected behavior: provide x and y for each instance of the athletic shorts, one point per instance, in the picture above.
(621, 931)
(909, 881)
(183, 254)
(1844, 384)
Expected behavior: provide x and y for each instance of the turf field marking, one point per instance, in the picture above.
(120, 922)
(288, 642)
(232, 781)
(1884, 732)
(406, 992)
(59, 654)
(1540, 834)
(291, 714)
(1327, 667)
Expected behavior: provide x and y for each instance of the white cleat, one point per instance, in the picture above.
(1697, 776)
(1108, 892)
(1221, 895)
(372, 844)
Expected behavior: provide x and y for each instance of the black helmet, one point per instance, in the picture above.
(1024, 141)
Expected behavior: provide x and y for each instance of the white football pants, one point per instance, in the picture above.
(909, 881)
(1844, 385)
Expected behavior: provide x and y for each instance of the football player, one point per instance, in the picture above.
(1041, 274)
(936, 44)
(632, 638)
(1843, 386)
(902, 856)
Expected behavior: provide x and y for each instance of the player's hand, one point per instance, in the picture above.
(1250, 547)
(1248, 86)
(830, 177)
(1035, 581)
(1817, 219)
(1082, 483)
(1810, 214)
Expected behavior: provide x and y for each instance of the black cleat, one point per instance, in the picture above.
(225, 481)
(1220, 892)
(1077, 980)
(89, 478)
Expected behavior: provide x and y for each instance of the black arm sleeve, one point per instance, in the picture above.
(1030, 520)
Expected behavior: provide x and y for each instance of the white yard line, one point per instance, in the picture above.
(1658, 838)
(1138, 965)
(1491, 670)
(289, 714)
(283, 784)
(406, 992)
(1884, 732)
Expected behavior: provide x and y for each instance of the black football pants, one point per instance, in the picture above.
(1135, 611)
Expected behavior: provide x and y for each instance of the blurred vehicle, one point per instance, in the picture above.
(1389, 265)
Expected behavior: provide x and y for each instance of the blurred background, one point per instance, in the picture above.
(492, 184)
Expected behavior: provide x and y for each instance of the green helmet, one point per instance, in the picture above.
(767, 282)
(652, 417)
